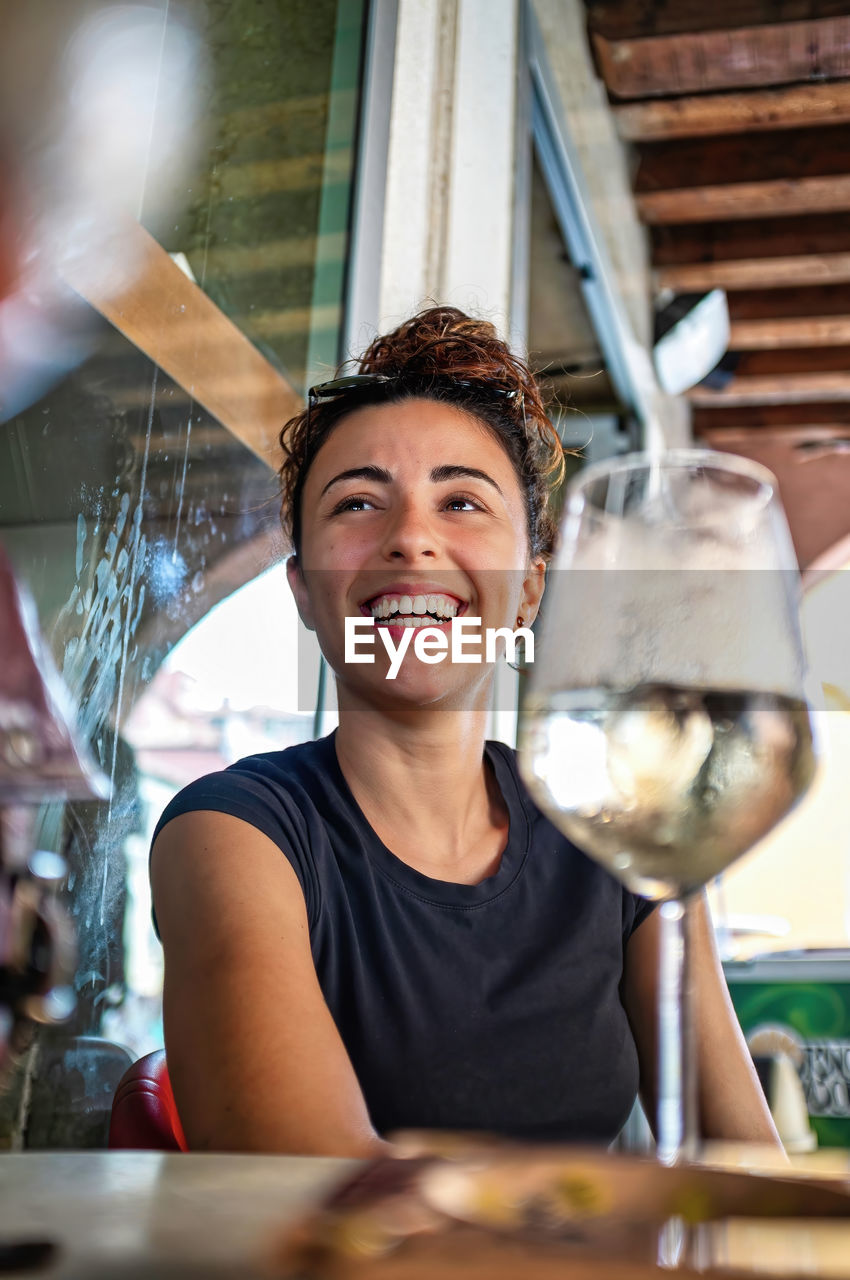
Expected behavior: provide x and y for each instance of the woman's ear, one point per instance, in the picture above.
(298, 587)
(533, 585)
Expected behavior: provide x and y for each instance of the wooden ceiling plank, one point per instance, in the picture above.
(755, 273)
(800, 360)
(274, 255)
(629, 19)
(823, 234)
(292, 173)
(792, 388)
(803, 153)
(746, 200)
(285, 113)
(789, 331)
(786, 435)
(812, 300)
(835, 415)
(707, 61)
(177, 326)
(709, 115)
(296, 320)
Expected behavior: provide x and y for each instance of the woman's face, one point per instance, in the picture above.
(413, 511)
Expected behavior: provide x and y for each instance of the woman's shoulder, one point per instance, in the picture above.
(275, 791)
(282, 794)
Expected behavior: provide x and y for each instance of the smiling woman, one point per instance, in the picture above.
(379, 930)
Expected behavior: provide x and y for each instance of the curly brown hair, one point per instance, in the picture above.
(445, 355)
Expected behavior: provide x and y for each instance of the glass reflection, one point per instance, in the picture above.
(130, 510)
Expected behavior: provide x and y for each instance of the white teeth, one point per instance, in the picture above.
(415, 608)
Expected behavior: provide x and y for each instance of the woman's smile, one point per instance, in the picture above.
(413, 604)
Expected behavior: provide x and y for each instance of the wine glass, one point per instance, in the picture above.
(665, 727)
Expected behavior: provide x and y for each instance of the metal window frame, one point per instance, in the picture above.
(521, 250)
(363, 283)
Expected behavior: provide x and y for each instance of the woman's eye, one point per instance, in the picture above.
(354, 503)
(460, 502)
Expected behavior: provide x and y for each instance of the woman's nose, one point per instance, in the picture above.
(409, 534)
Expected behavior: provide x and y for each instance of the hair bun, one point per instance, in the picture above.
(444, 341)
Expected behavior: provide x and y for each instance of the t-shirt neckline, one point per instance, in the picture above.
(446, 892)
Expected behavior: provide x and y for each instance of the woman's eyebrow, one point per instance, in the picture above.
(378, 475)
(457, 472)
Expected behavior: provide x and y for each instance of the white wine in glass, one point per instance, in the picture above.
(665, 727)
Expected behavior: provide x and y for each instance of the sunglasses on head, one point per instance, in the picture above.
(371, 382)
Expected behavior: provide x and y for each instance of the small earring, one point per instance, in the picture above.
(519, 663)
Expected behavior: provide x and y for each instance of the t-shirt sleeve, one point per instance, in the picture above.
(635, 910)
(261, 803)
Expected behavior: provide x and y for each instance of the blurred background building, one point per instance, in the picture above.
(207, 204)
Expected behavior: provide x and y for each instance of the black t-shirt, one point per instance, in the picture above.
(492, 1006)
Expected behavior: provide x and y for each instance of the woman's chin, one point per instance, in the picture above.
(417, 684)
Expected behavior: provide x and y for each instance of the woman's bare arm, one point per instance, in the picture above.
(254, 1056)
(732, 1103)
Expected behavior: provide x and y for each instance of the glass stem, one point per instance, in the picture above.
(677, 1063)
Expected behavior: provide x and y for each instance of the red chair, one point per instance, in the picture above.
(144, 1114)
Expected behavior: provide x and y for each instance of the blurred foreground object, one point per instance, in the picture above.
(99, 118)
(39, 760)
(480, 1211)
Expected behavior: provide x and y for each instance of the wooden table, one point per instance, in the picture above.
(130, 1215)
(792, 1248)
(136, 1215)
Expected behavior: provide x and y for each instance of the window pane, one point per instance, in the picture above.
(133, 497)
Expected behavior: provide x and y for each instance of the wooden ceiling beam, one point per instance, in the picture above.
(292, 173)
(790, 331)
(630, 19)
(710, 115)
(711, 60)
(275, 255)
(803, 153)
(784, 435)
(774, 199)
(791, 388)
(808, 375)
(836, 415)
(755, 273)
(817, 234)
(177, 326)
(813, 300)
(757, 364)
